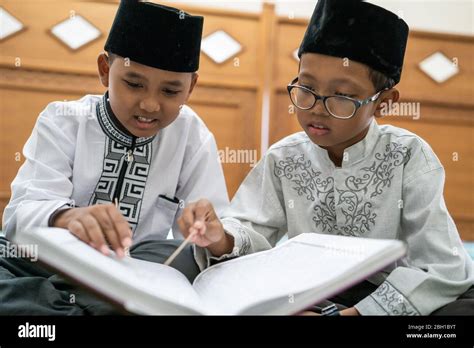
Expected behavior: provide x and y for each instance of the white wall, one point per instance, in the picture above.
(447, 16)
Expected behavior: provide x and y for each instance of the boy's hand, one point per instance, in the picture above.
(201, 219)
(97, 225)
(352, 311)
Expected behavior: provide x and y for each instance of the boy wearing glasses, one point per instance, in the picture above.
(346, 175)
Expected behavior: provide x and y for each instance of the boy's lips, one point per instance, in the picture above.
(145, 122)
(318, 128)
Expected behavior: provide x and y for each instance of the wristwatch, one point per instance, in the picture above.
(330, 310)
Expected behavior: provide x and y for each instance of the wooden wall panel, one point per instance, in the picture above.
(16, 127)
(229, 113)
(242, 69)
(38, 49)
(289, 34)
(415, 84)
(283, 119)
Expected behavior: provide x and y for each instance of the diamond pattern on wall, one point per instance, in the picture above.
(9, 25)
(220, 46)
(75, 32)
(439, 67)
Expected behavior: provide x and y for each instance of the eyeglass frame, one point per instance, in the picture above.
(357, 102)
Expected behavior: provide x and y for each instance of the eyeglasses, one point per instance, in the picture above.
(338, 106)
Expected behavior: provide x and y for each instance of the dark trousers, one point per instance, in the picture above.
(27, 288)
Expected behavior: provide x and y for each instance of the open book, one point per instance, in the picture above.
(287, 279)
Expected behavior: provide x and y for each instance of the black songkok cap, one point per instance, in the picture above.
(360, 31)
(155, 35)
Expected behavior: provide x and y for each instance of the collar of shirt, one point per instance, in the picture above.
(355, 152)
(113, 128)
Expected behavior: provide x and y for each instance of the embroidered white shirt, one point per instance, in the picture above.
(78, 156)
(390, 186)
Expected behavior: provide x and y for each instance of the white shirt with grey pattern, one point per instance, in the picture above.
(390, 186)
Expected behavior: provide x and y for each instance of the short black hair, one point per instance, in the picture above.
(379, 80)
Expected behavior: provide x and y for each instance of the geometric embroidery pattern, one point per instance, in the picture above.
(115, 159)
(134, 180)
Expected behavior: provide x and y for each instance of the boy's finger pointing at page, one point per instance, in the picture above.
(121, 226)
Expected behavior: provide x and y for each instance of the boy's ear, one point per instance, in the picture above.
(194, 79)
(103, 67)
(386, 99)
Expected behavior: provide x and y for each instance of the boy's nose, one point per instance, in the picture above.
(319, 108)
(150, 105)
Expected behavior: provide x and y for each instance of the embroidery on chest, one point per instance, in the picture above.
(124, 176)
(355, 196)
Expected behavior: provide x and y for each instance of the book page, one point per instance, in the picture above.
(302, 263)
(164, 282)
(62, 250)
